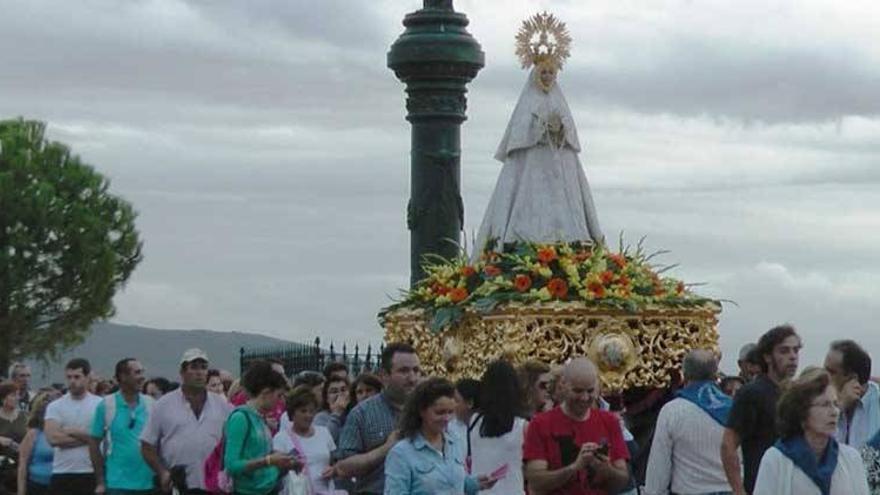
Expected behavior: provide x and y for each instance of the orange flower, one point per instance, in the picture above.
(623, 280)
(679, 289)
(618, 260)
(522, 283)
(546, 255)
(491, 271)
(558, 288)
(581, 256)
(607, 277)
(458, 294)
(597, 289)
(440, 290)
(467, 271)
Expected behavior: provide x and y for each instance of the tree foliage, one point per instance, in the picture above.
(66, 244)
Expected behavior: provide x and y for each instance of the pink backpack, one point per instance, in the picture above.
(217, 481)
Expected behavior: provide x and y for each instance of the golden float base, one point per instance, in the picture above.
(642, 349)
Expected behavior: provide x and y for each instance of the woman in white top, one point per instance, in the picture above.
(312, 444)
(807, 460)
(496, 433)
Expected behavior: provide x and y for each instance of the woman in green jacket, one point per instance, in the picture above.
(248, 458)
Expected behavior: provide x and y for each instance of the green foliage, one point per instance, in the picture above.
(66, 244)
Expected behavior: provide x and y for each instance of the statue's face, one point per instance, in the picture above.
(546, 77)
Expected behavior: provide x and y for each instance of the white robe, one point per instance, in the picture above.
(542, 194)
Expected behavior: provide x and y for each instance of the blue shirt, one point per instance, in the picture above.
(124, 467)
(865, 421)
(366, 428)
(40, 463)
(415, 467)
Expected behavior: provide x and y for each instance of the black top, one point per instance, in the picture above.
(753, 418)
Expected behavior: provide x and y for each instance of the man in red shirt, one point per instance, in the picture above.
(574, 449)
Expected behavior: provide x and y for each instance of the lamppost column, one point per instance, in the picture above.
(435, 57)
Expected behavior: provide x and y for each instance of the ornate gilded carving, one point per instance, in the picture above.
(631, 350)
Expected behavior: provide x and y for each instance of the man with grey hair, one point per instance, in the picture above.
(20, 375)
(684, 454)
(575, 449)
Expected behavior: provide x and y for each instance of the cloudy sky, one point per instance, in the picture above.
(264, 146)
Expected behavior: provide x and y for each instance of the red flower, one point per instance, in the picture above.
(440, 290)
(458, 294)
(607, 277)
(618, 259)
(597, 289)
(491, 271)
(558, 288)
(623, 280)
(467, 271)
(522, 283)
(546, 255)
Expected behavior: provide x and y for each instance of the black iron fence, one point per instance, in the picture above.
(312, 357)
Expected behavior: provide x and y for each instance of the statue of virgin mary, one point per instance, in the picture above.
(542, 194)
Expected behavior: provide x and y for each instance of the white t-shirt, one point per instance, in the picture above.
(316, 449)
(490, 453)
(71, 413)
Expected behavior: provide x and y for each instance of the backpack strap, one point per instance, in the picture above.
(109, 415)
(247, 435)
(302, 454)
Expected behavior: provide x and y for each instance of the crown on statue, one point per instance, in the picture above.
(542, 39)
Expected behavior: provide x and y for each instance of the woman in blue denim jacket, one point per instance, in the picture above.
(429, 460)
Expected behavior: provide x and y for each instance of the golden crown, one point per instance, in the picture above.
(542, 38)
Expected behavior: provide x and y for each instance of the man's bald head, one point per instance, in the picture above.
(580, 368)
(581, 386)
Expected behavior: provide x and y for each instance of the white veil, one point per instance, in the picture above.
(529, 120)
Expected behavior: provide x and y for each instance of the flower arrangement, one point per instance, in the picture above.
(532, 273)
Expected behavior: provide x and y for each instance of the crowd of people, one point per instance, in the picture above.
(533, 428)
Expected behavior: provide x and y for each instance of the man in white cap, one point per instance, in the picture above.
(185, 425)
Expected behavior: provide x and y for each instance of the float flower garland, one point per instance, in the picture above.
(535, 273)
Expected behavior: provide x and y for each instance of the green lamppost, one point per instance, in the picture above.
(435, 57)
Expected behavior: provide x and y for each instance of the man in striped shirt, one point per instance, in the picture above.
(684, 455)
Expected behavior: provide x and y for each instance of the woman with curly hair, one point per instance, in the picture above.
(427, 460)
(807, 460)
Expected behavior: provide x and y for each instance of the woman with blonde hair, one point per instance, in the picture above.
(35, 454)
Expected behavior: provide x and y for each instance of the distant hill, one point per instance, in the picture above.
(158, 350)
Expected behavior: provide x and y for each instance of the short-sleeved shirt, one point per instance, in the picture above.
(366, 428)
(73, 413)
(753, 418)
(124, 467)
(316, 451)
(554, 437)
(182, 438)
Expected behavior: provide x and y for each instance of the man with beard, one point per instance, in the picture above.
(752, 419)
(371, 427)
(68, 422)
(575, 449)
(115, 447)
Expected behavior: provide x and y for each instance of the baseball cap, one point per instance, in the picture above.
(191, 355)
(745, 350)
